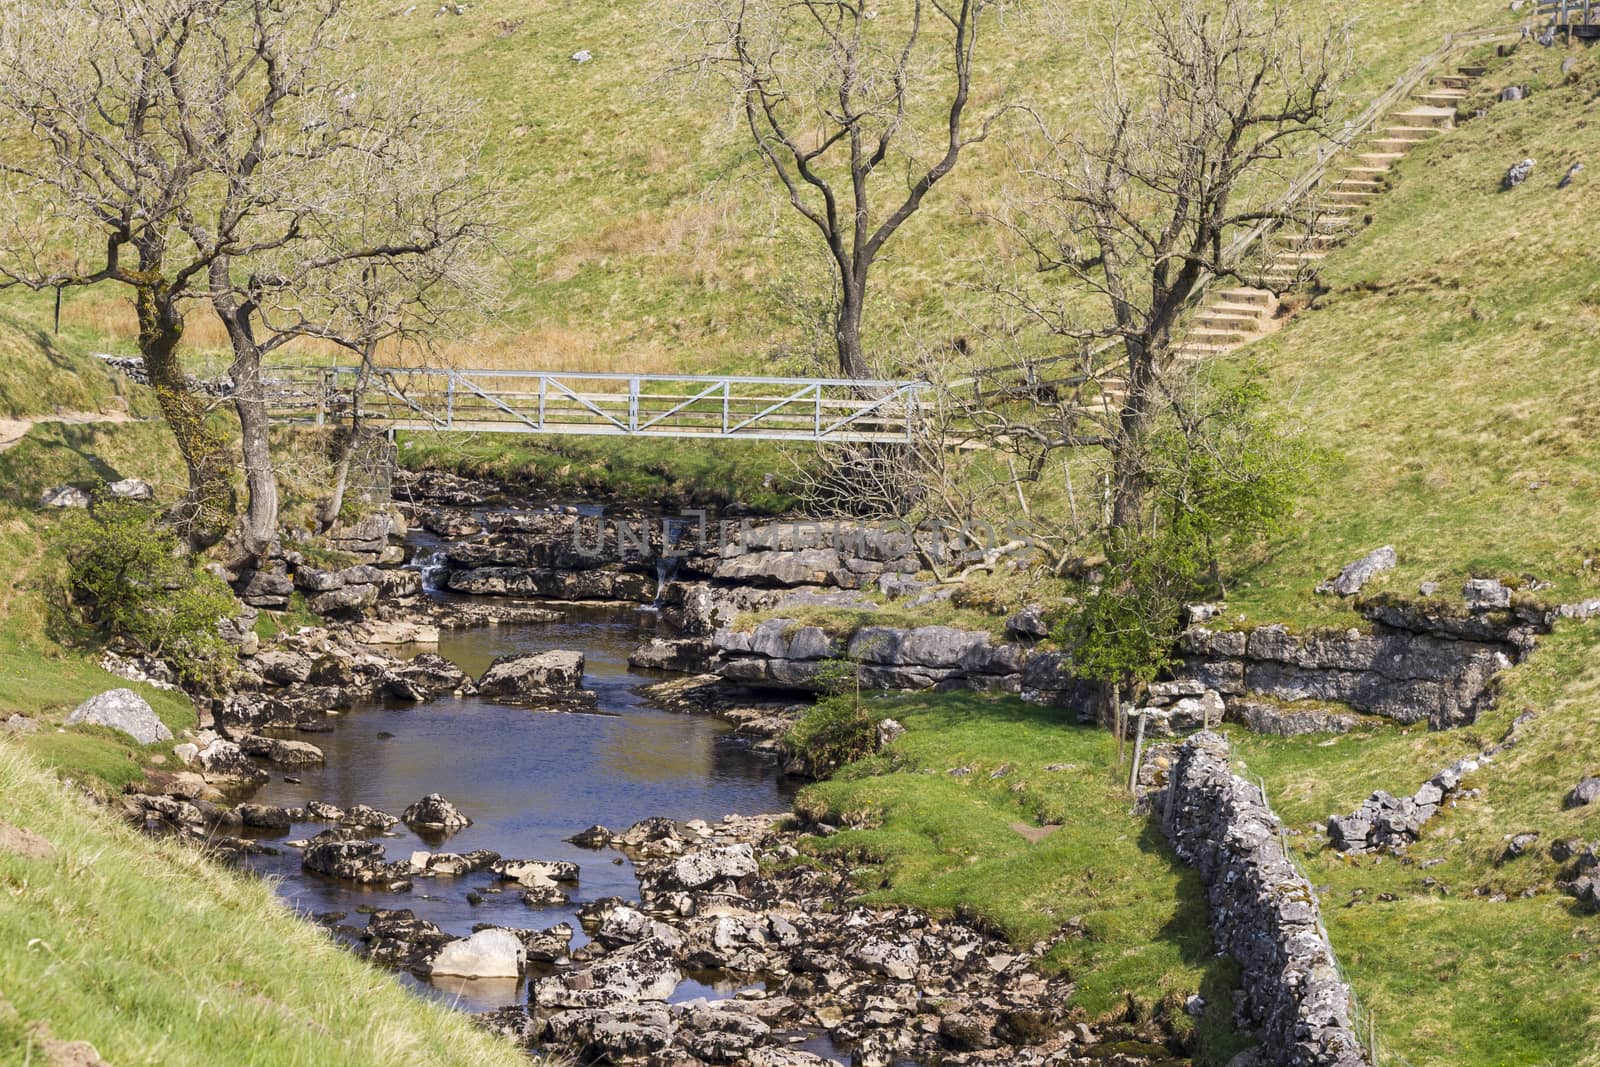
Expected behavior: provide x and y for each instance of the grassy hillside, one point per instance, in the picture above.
(41, 374)
(154, 955)
(646, 237)
(1449, 366)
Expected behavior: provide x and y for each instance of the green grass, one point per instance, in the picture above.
(954, 843)
(1452, 977)
(666, 473)
(157, 956)
(41, 374)
(1449, 368)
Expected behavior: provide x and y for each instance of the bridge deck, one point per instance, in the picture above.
(593, 404)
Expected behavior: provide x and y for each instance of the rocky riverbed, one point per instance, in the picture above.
(441, 807)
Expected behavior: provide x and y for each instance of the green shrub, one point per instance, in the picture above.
(127, 578)
(836, 730)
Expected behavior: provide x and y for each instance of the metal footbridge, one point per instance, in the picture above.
(831, 410)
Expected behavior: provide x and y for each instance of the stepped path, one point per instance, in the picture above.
(14, 430)
(1233, 317)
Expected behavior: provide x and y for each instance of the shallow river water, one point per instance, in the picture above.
(527, 778)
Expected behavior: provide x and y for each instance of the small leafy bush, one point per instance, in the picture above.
(837, 730)
(127, 578)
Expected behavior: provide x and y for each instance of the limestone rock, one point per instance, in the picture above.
(222, 760)
(346, 600)
(1584, 793)
(1517, 174)
(535, 874)
(1486, 594)
(284, 753)
(1028, 624)
(1357, 573)
(434, 812)
(124, 710)
(64, 496)
(491, 953)
(541, 676)
(131, 489)
(704, 867)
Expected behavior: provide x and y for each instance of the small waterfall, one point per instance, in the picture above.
(433, 568)
(667, 560)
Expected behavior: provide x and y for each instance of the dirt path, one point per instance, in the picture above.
(14, 430)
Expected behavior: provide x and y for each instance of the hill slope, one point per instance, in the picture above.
(1449, 364)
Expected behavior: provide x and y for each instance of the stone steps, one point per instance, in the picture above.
(1234, 317)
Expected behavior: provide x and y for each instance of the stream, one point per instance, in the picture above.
(528, 779)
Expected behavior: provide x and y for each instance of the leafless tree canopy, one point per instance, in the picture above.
(1191, 142)
(231, 153)
(830, 91)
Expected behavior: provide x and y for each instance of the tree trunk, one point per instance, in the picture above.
(1128, 475)
(347, 443)
(258, 527)
(207, 510)
(852, 361)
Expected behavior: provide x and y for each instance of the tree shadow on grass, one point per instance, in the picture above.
(25, 470)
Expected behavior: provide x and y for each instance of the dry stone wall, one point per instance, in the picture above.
(1263, 911)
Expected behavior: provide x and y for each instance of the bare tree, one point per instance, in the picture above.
(384, 227)
(98, 165)
(828, 90)
(1189, 146)
(373, 296)
(237, 149)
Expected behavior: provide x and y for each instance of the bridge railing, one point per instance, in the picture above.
(593, 403)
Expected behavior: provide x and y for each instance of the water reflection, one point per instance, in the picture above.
(527, 778)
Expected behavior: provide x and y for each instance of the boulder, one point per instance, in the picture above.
(281, 752)
(434, 812)
(427, 675)
(282, 667)
(1521, 845)
(891, 959)
(346, 600)
(644, 971)
(686, 655)
(131, 489)
(369, 535)
(265, 816)
(1584, 793)
(64, 496)
(491, 953)
(1028, 624)
(703, 867)
(124, 710)
(627, 1032)
(540, 676)
(314, 580)
(535, 874)
(224, 760)
(344, 854)
(1357, 573)
(1486, 594)
(1517, 174)
(267, 587)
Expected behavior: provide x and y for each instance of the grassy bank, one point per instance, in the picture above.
(666, 473)
(154, 955)
(1018, 816)
(1448, 366)
(1462, 957)
(42, 374)
(142, 948)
